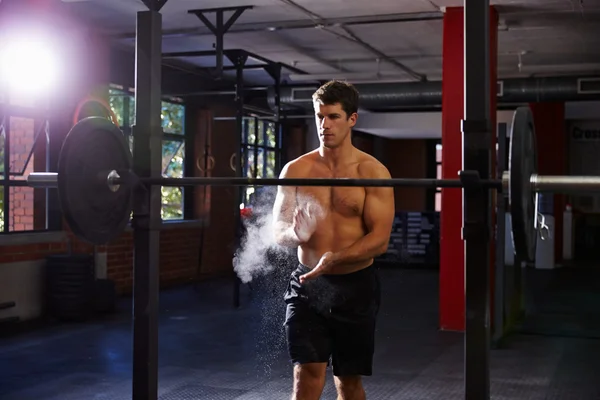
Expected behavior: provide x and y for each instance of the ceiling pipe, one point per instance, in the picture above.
(426, 94)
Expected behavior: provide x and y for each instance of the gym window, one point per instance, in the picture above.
(23, 141)
(261, 152)
(122, 104)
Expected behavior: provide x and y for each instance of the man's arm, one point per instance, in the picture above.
(378, 213)
(283, 211)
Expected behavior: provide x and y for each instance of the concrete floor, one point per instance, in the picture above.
(209, 350)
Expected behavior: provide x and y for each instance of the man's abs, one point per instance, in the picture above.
(333, 234)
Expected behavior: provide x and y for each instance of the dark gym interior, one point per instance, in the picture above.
(236, 80)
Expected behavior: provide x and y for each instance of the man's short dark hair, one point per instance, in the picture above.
(338, 92)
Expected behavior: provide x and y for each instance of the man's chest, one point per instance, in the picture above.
(345, 201)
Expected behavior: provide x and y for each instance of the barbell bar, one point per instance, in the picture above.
(114, 179)
(95, 182)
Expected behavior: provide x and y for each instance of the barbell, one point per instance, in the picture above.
(95, 181)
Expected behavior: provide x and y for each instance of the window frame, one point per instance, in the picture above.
(41, 124)
(250, 152)
(183, 138)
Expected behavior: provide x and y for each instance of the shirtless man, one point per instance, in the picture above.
(333, 296)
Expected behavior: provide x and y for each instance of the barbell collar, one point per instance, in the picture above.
(565, 184)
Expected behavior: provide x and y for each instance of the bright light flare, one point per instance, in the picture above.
(29, 65)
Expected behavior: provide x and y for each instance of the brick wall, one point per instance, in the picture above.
(29, 252)
(22, 135)
(179, 251)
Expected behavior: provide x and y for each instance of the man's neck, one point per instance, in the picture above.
(338, 156)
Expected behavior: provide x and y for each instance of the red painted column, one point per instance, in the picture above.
(552, 145)
(452, 275)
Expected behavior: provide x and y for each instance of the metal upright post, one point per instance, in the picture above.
(500, 271)
(275, 72)
(476, 202)
(147, 158)
(7, 168)
(240, 62)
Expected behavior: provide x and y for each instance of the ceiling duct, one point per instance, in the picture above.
(390, 96)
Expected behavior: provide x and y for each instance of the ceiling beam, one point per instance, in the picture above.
(301, 24)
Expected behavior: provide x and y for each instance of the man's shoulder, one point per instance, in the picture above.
(371, 167)
(298, 166)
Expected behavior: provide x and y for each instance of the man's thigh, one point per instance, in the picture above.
(307, 333)
(353, 346)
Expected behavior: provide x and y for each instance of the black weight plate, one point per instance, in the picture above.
(523, 200)
(93, 148)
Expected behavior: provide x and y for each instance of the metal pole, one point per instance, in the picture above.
(6, 172)
(278, 124)
(239, 98)
(476, 202)
(50, 179)
(499, 271)
(147, 159)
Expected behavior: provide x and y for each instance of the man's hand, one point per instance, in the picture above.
(323, 267)
(305, 222)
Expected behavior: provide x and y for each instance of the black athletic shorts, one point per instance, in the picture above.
(332, 319)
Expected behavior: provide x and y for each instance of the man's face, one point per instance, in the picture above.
(333, 124)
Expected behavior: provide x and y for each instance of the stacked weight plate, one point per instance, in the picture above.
(69, 286)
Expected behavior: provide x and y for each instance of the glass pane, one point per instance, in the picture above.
(271, 135)
(20, 217)
(438, 174)
(270, 164)
(22, 138)
(132, 111)
(244, 130)
(173, 117)
(249, 159)
(117, 100)
(172, 202)
(260, 165)
(261, 132)
(116, 104)
(173, 152)
(172, 158)
(251, 131)
(438, 153)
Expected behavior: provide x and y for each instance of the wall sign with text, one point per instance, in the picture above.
(585, 130)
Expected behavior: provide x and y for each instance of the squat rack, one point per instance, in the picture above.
(147, 164)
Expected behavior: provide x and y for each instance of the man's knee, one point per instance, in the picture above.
(309, 380)
(349, 387)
